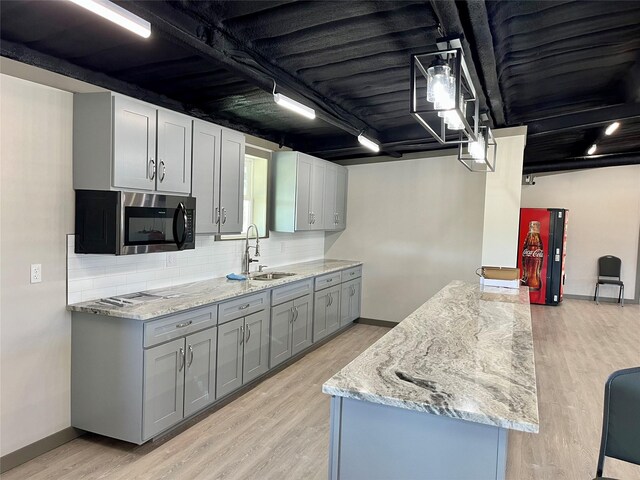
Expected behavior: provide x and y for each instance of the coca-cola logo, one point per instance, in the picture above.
(537, 253)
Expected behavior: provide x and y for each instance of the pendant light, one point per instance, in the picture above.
(479, 155)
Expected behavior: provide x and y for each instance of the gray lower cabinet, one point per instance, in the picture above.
(326, 312)
(350, 298)
(243, 351)
(179, 380)
(291, 329)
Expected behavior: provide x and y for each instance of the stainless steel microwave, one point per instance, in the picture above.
(124, 223)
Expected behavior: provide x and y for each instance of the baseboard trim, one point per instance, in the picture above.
(375, 322)
(35, 449)
(627, 301)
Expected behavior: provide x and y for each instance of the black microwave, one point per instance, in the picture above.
(124, 223)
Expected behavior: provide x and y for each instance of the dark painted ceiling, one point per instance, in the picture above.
(564, 68)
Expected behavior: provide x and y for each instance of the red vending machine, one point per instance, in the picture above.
(542, 251)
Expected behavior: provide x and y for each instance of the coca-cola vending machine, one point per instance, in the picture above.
(542, 251)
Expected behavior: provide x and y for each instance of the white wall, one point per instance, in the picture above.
(604, 219)
(416, 225)
(35, 215)
(502, 200)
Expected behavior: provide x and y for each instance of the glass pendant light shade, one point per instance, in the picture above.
(439, 83)
(451, 117)
(477, 149)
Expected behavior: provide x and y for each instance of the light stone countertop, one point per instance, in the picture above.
(178, 298)
(464, 354)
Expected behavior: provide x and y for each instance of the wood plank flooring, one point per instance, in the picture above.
(280, 429)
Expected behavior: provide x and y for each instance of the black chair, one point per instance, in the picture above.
(609, 273)
(621, 418)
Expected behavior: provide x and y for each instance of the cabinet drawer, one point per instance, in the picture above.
(351, 273)
(165, 329)
(327, 280)
(291, 291)
(242, 307)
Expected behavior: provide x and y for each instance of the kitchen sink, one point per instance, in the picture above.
(271, 276)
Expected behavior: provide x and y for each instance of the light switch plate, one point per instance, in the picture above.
(36, 273)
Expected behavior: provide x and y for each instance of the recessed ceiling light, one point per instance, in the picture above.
(612, 128)
(592, 149)
(117, 15)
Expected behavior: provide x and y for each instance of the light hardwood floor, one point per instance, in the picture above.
(280, 429)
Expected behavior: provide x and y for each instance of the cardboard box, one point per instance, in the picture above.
(501, 273)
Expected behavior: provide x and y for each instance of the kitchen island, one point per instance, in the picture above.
(436, 396)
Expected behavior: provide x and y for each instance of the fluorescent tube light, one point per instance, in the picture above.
(370, 144)
(117, 15)
(592, 149)
(294, 106)
(612, 128)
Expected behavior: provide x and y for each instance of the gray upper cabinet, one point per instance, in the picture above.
(300, 192)
(218, 178)
(200, 370)
(163, 387)
(174, 152)
(120, 143)
(134, 144)
(341, 198)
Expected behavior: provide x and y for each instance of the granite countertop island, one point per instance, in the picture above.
(165, 301)
(465, 354)
(437, 395)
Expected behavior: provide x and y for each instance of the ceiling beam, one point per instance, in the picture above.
(584, 119)
(579, 163)
(476, 21)
(239, 56)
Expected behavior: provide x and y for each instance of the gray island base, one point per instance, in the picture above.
(436, 396)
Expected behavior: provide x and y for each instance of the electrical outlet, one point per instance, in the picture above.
(36, 273)
(172, 259)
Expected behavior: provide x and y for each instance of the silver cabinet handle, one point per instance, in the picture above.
(190, 356)
(328, 300)
(331, 297)
(295, 310)
(310, 218)
(181, 353)
(329, 280)
(152, 169)
(248, 333)
(224, 215)
(217, 216)
(291, 310)
(185, 324)
(241, 334)
(244, 307)
(164, 170)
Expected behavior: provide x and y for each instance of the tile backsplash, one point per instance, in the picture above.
(98, 276)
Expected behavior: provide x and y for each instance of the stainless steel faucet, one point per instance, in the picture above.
(246, 259)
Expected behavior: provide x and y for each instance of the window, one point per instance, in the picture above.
(256, 181)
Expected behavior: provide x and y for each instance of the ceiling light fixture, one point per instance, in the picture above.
(292, 105)
(370, 144)
(480, 155)
(444, 99)
(612, 128)
(118, 15)
(592, 149)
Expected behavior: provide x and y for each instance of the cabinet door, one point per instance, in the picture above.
(134, 144)
(341, 198)
(206, 175)
(230, 343)
(174, 152)
(354, 306)
(256, 345)
(303, 191)
(200, 370)
(333, 310)
(163, 387)
(280, 338)
(302, 324)
(330, 188)
(320, 307)
(231, 181)
(316, 198)
(346, 294)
